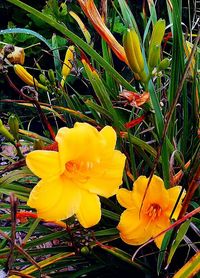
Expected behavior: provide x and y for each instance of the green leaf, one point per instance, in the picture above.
(179, 237)
(123, 256)
(191, 268)
(163, 248)
(56, 57)
(27, 32)
(14, 176)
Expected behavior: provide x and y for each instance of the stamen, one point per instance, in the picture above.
(78, 170)
(153, 211)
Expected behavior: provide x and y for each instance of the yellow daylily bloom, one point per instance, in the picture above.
(85, 166)
(141, 222)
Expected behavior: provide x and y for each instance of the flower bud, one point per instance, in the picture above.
(155, 43)
(68, 64)
(158, 33)
(14, 126)
(154, 56)
(85, 250)
(164, 64)
(43, 79)
(51, 76)
(27, 77)
(133, 51)
(5, 132)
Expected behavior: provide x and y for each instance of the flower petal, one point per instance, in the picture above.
(162, 224)
(56, 199)
(106, 180)
(132, 229)
(80, 142)
(109, 135)
(156, 193)
(173, 197)
(44, 164)
(89, 212)
(124, 197)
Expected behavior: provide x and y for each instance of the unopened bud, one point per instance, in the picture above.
(4, 131)
(134, 54)
(164, 64)
(43, 79)
(154, 56)
(14, 126)
(158, 33)
(133, 51)
(27, 77)
(68, 63)
(85, 250)
(155, 43)
(51, 76)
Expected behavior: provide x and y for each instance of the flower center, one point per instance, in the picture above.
(71, 166)
(79, 171)
(153, 211)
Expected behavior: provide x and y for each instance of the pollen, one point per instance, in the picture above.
(78, 170)
(71, 166)
(153, 211)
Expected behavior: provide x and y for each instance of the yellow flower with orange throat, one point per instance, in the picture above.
(86, 165)
(145, 218)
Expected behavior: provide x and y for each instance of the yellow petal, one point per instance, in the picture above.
(109, 135)
(156, 193)
(129, 221)
(105, 181)
(132, 228)
(79, 142)
(44, 164)
(89, 212)
(124, 197)
(173, 196)
(162, 224)
(56, 199)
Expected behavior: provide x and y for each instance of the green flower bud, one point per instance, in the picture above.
(5, 132)
(158, 33)
(154, 56)
(85, 250)
(155, 43)
(14, 126)
(164, 64)
(43, 79)
(51, 76)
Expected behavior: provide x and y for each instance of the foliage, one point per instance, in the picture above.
(132, 67)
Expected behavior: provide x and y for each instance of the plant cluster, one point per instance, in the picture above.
(102, 119)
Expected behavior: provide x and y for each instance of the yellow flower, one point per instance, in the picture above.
(135, 226)
(86, 165)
